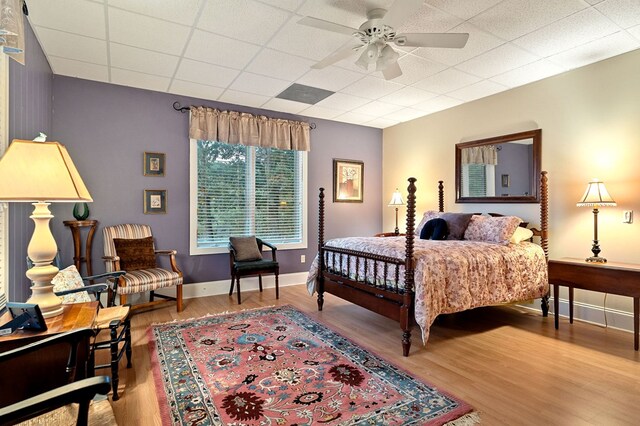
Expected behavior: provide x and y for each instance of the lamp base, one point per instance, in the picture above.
(596, 259)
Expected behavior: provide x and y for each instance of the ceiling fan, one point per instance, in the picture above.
(375, 34)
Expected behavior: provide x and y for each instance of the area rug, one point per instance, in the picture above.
(277, 366)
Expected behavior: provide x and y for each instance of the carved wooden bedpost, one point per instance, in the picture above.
(406, 311)
(544, 231)
(320, 279)
(440, 196)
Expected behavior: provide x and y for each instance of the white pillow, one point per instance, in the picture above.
(521, 234)
(68, 279)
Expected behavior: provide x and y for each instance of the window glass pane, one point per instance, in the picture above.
(477, 180)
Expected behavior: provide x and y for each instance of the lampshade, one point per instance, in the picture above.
(396, 199)
(596, 195)
(387, 57)
(40, 171)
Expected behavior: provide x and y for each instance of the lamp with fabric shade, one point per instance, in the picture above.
(596, 196)
(396, 200)
(40, 172)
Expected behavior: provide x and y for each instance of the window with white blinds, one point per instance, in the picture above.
(244, 190)
(4, 208)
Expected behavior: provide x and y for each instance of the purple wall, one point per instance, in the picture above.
(30, 112)
(107, 128)
(515, 160)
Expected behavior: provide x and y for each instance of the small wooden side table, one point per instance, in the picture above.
(75, 226)
(612, 277)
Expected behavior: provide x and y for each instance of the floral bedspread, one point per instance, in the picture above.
(453, 276)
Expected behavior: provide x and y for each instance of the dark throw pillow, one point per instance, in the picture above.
(435, 229)
(135, 253)
(246, 248)
(457, 223)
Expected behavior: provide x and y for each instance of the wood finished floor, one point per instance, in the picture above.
(508, 363)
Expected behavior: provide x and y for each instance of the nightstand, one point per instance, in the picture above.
(612, 277)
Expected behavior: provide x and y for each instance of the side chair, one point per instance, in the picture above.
(245, 259)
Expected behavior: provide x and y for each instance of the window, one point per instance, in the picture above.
(245, 190)
(477, 180)
(4, 208)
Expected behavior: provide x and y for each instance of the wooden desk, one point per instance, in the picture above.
(611, 277)
(74, 316)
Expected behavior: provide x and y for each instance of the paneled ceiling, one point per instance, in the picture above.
(245, 52)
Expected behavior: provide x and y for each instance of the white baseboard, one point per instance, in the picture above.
(593, 314)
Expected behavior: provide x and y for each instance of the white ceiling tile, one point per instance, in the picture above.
(615, 44)
(140, 80)
(330, 78)
(415, 69)
(342, 102)
(219, 50)
(634, 31)
(284, 4)
(437, 104)
(514, 18)
(243, 98)
(195, 90)
(478, 90)
(145, 32)
(625, 13)
(182, 12)
(381, 123)
(141, 60)
(285, 105)
(463, 9)
(72, 46)
(594, 1)
(344, 12)
(408, 96)
(429, 19)
(526, 74)
(497, 61)
(245, 20)
(405, 114)
(62, 66)
(199, 72)
(259, 84)
(371, 87)
(478, 43)
(377, 108)
(579, 28)
(446, 81)
(87, 18)
(279, 65)
(305, 41)
(354, 118)
(320, 112)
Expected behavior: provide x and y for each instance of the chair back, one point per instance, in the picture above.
(126, 231)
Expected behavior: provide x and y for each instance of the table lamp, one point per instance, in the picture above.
(39, 172)
(396, 200)
(596, 196)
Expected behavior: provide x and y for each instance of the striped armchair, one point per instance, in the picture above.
(141, 280)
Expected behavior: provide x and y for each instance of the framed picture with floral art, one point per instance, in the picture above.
(154, 163)
(348, 181)
(155, 201)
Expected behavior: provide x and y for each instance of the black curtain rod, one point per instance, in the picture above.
(177, 107)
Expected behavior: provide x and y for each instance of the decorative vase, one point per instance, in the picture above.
(81, 211)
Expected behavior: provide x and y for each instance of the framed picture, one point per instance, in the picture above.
(155, 201)
(505, 181)
(154, 163)
(348, 181)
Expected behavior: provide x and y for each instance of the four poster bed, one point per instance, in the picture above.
(413, 280)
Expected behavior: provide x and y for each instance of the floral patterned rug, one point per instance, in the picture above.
(277, 366)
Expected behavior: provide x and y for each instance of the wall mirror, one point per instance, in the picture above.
(502, 169)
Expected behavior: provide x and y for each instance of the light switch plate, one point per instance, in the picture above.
(627, 216)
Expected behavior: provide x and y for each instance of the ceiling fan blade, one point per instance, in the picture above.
(449, 40)
(401, 11)
(392, 71)
(326, 25)
(337, 56)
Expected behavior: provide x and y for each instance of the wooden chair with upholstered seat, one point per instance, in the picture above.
(130, 248)
(245, 259)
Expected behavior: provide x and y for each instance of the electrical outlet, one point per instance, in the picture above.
(303, 258)
(627, 216)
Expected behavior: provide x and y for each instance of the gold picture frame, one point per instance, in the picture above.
(348, 181)
(154, 163)
(155, 201)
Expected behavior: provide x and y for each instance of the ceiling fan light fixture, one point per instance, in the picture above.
(369, 56)
(387, 57)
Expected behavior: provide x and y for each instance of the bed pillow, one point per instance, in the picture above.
(492, 229)
(435, 229)
(69, 279)
(456, 223)
(135, 253)
(426, 217)
(521, 234)
(246, 248)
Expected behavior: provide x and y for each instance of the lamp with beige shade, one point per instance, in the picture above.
(596, 196)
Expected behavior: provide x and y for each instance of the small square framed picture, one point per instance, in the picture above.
(154, 163)
(155, 201)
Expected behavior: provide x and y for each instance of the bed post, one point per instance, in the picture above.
(440, 196)
(320, 279)
(544, 232)
(406, 309)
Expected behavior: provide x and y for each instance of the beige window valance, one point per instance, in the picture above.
(247, 129)
(480, 155)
